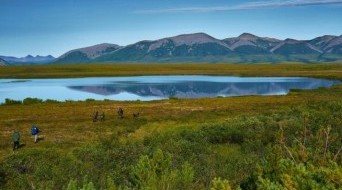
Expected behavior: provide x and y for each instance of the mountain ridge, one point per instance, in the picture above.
(29, 59)
(86, 54)
(201, 47)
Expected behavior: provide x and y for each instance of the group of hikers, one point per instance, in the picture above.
(16, 136)
(120, 112)
(35, 130)
(101, 117)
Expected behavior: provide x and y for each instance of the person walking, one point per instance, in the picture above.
(34, 132)
(95, 116)
(120, 112)
(16, 140)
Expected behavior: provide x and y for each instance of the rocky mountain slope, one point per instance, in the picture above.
(200, 47)
(2, 62)
(86, 54)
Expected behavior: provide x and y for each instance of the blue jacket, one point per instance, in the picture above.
(34, 130)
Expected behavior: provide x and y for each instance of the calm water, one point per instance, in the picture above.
(153, 87)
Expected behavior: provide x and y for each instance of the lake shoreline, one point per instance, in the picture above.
(147, 88)
(327, 71)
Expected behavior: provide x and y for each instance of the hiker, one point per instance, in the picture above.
(120, 112)
(95, 117)
(34, 132)
(102, 116)
(16, 140)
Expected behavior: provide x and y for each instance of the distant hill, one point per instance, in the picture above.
(182, 47)
(201, 47)
(2, 62)
(86, 54)
(29, 59)
(328, 44)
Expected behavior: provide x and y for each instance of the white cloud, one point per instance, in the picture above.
(245, 6)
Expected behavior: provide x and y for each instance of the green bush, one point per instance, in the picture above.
(12, 102)
(43, 169)
(51, 101)
(219, 184)
(86, 185)
(28, 101)
(223, 133)
(158, 172)
(290, 175)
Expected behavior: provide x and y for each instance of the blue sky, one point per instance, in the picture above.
(55, 26)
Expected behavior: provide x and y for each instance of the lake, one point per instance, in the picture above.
(147, 88)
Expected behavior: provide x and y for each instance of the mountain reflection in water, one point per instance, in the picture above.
(147, 88)
(198, 89)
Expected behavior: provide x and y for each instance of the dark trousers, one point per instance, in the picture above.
(16, 145)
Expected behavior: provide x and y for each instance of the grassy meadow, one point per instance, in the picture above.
(89, 70)
(252, 142)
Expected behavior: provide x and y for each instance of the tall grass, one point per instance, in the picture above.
(89, 70)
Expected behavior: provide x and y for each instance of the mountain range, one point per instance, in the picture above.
(29, 59)
(201, 47)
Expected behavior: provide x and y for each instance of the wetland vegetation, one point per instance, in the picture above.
(253, 142)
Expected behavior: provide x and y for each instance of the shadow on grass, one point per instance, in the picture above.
(40, 139)
(22, 145)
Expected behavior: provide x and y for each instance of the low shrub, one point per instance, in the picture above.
(28, 101)
(220, 134)
(51, 101)
(12, 102)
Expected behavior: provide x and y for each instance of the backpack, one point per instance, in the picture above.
(34, 130)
